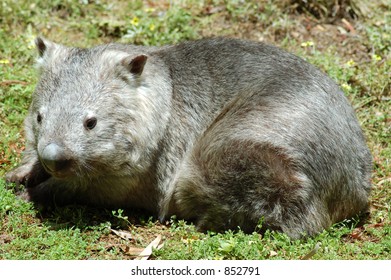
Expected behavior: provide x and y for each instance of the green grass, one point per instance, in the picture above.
(360, 63)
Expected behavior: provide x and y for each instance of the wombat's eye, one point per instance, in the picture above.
(39, 118)
(90, 123)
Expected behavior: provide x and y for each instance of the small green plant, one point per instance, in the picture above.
(123, 221)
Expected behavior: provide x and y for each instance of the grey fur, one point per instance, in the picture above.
(220, 131)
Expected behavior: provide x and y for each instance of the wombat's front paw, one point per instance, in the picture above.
(19, 175)
(29, 175)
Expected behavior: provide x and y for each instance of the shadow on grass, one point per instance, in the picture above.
(90, 218)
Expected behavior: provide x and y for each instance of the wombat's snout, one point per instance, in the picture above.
(55, 159)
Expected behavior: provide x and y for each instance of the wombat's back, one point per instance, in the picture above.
(284, 143)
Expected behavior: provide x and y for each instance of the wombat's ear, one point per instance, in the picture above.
(47, 50)
(43, 45)
(135, 65)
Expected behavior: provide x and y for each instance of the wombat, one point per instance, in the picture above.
(221, 132)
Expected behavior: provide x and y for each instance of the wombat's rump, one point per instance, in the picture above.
(220, 131)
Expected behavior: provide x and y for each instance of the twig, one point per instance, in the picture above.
(12, 82)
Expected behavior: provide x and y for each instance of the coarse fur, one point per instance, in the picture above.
(219, 131)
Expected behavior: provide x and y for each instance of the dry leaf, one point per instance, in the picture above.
(146, 253)
(123, 234)
(273, 253)
(357, 233)
(311, 253)
(375, 225)
(134, 251)
(348, 26)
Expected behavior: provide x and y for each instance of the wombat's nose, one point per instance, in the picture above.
(54, 158)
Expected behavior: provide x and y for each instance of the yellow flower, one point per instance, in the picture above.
(350, 63)
(4, 61)
(31, 46)
(149, 10)
(152, 27)
(347, 87)
(307, 44)
(30, 40)
(376, 57)
(135, 21)
(187, 240)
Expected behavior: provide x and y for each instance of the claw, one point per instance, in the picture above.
(29, 175)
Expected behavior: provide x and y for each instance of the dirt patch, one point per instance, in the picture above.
(364, 233)
(5, 238)
(130, 243)
(325, 23)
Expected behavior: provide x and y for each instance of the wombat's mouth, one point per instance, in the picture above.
(60, 169)
(63, 174)
(57, 161)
